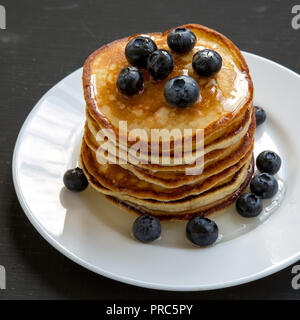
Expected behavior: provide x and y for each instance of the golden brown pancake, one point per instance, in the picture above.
(218, 134)
(236, 133)
(187, 214)
(171, 179)
(223, 97)
(224, 112)
(122, 181)
(219, 195)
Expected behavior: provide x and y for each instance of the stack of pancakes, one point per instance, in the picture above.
(163, 187)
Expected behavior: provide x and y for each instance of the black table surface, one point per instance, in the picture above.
(45, 41)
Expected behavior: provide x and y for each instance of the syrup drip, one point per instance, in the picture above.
(240, 225)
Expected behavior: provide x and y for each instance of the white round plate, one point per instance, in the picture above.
(92, 232)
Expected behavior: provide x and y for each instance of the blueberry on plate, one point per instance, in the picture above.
(268, 161)
(146, 228)
(264, 185)
(248, 205)
(181, 91)
(160, 64)
(260, 115)
(75, 180)
(181, 40)
(202, 231)
(138, 50)
(207, 62)
(130, 81)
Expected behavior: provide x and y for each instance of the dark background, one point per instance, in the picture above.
(44, 42)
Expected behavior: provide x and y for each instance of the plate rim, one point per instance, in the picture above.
(63, 250)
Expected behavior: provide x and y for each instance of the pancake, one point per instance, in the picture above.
(218, 194)
(136, 173)
(186, 214)
(210, 157)
(218, 133)
(230, 138)
(171, 179)
(122, 181)
(223, 97)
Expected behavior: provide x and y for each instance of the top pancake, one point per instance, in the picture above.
(222, 98)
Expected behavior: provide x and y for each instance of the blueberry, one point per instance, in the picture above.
(181, 91)
(160, 64)
(268, 161)
(181, 40)
(207, 62)
(260, 115)
(264, 185)
(130, 81)
(75, 180)
(202, 231)
(249, 205)
(138, 50)
(146, 228)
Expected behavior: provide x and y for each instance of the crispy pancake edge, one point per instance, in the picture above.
(219, 206)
